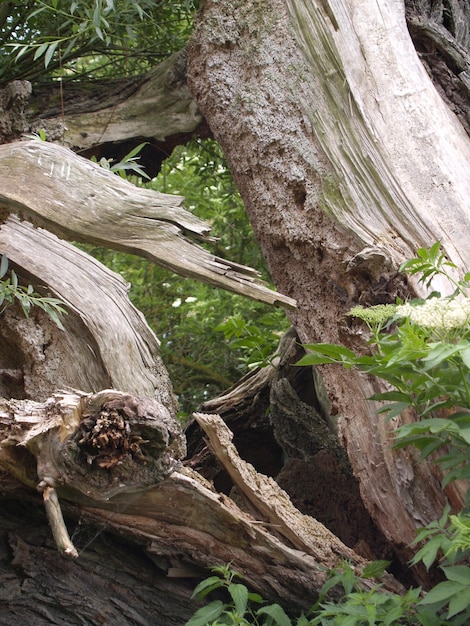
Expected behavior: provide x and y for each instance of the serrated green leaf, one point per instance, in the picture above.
(206, 614)
(375, 569)
(239, 595)
(206, 586)
(276, 613)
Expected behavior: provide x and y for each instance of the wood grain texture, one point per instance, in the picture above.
(76, 199)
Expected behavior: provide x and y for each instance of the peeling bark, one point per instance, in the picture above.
(347, 161)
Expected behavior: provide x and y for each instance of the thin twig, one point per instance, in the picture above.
(56, 521)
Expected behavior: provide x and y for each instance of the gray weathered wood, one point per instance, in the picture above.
(347, 161)
(76, 199)
(179, 516)
(107, 342)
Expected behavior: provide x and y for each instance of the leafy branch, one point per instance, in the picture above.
(11, 291)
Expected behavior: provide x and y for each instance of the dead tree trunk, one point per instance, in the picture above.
(347, 160)
(113, 457)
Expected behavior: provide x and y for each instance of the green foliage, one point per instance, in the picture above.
(127, 165)
(11, 291)
(186, 314)
(422, 349)
(256, 343)
(102, 37)
(239, 607)
(431, 263)
(358, 607)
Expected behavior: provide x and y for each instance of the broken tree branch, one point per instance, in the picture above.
(78, 200)
(83, 447)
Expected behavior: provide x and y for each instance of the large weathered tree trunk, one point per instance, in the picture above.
(348, 160)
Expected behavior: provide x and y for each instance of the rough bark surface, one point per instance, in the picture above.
(111, 583)
(441, 35)
(315, 111)
(133, 485)
(326, 122)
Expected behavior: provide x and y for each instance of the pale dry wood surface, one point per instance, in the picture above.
(107, 341)
(76, 199)
(181, 519)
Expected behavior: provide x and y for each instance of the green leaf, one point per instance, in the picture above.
(256, 598)
(206, 586)
(50, 53)
(135, 151)
(442, 593)
(375, 569)
(442, 352)
(40, 50)
(276, 613)
(239, 595)
(465, 434)
(3, 265)
(465, 356)
(389, 396)
(315, 359)
(327, 353)
(459, 602)
(206, 614)
(394, 409)
(428, 553)
(459, 574)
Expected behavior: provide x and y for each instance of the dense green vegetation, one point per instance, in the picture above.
(43, 40)
(93, 38)
(209, 337)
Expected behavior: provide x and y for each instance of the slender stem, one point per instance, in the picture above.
(56, 521)
(465, 382)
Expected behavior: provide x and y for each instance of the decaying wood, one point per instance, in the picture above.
(347, 161)
(76, 199)
(154, 106)
(112, 582)
(129, 443)
(116, 456)
(106, 342)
